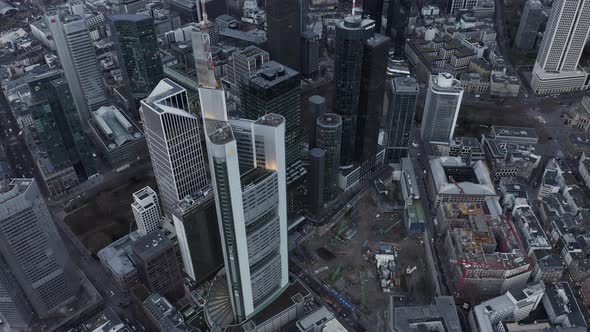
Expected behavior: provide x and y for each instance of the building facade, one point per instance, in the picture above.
(557, 66)
(528, 29)
(37, 276)
(137, 43)
(329, 138)
(441, 109)
(174, 144)
(283, 19)
(401, 97)
(146, 210)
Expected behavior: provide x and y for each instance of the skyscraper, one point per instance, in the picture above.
(441, 109)
(329, 138)
(146, 210)
(316, 182)
(58, 125)
(275, 88)
(251, 208)
(310, 54)
(244, 63)
(375, 53)
(78, 60)
(530, 23)
(37, 277)
(459, 5)
(174, 143)
(351, 34)
(316, 107)
(557, 66)
(374, 10)
(197, 229)
(235, 7)
(283, 19)
(401, 95)
(137, 44)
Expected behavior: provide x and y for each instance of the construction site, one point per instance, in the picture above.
(484, 254)
(363, 259)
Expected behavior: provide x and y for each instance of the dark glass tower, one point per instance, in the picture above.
(58, 124)
(351, 34)
(137, 44)
(400, 104)
(371, 96)
(374, 9)
(283, 18)
(329, 138)
(275, 88)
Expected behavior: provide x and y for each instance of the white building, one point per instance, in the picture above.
(441, 109)
(557, 66)
(174, 143)
(584, 169)
(515, 305)
(146, 210)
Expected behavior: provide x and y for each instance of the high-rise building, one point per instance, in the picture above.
(461, 5)
(78, 60)
(159, 265)
(401, 96)
(557, 66)
(530, 23)
(372, 89)
(316, 182)
(373, 9)
(58, 125)
(441, 109)
(329, 138)
(146, 210)
(137, 44)
(244, 63)
(316, 107)
(37, 277)
(197, 230)
(251, 207)
(283, 32)
(351, 34)
(275, 88)
(235, 7)
(174, 143)
(398, 14)
(310, 54)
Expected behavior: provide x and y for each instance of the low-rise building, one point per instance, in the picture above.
(413, 210)
(321, 320)
(469, 149)
(510, 152)
(439, 316)
(474, 83)
(577, 143)
(530, 230)
(504, 85)
(547, 265)
(561, 305)
(121, 142)
(578, 116)
(451, 180)
(163, 315)
(584, 169)
(515, 305)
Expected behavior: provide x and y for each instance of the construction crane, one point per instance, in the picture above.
(336, 274)
(452, 179)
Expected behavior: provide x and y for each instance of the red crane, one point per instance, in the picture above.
(452, 179)
(466, 265)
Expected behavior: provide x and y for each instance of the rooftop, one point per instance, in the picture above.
(564, 302)
(442, 311)
(453, 177)
(114, 128)
(404, 85)
(255, 176)
(151, 245)
(507, 132)
(272, 74)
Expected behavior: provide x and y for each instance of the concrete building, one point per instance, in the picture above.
(451, 180)
(120, 141)
(159, 265)
(146, 210)
(319, 321)
(439, 316)
(329, 138)
(577, 143)
(561, 305)
(528, 29)
(283, 20)
(557, 66)
(578, 116)
(37, 276)
(78, 59)
(469, 149)
(401, 96)
(316, 107)
(172, 133)
(529, 228)
(251, 205)
(163, 315)
(547, 266)
(474, 83)
(515, 305)
(117, 259)
(503, 84)
(441, 109)
(244, 63)
(584, 169)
